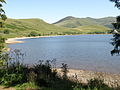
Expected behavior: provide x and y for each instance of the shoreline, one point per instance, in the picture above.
(15, 40)
(85, 75)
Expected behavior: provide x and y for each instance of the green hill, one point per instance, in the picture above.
(73, 22)
(93, 29)
(66, 26)
(23, 27)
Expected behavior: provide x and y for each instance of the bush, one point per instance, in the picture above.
(34, 34)
(2, 43)
(10, 79)
(14, 71)
(64, 70)
(14, 74)
(99, 84)
(95, 83)
(44, 73)
(6, 31)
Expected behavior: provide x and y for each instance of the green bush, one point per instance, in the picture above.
(34, 34)
(14, 74)
(6, 31)
(13, 71)
(44, 73)
(97, 83)
(2, 43)
(10, 79)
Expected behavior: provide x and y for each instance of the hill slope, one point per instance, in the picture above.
(93, 29)
(23, 27)
(35, 27)
(73, 22)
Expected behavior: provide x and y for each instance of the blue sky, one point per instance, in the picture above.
(54, 10)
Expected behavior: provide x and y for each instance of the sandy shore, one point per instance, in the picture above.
(13, 41)
(84, 75)
(16, 40)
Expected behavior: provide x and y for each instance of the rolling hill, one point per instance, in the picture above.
(23, 27)
(73, 22)
(67, 26)
(93, 29)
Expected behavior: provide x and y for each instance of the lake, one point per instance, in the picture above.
(87, 52)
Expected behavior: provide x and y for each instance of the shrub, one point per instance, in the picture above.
(97, 83)
(34, 34)
(14, 74)
(10, 79)
(14, 70)
(2, 43)
(6, 31)
(44, 73)
(32, 76)
(64, 70)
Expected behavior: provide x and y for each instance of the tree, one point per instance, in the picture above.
(116, 33)
(117, 3)
(2, 13)
(2, 18)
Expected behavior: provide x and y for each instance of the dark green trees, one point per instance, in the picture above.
(116, 33)
(2, 13)
(116, 37)
(117, 3)
(2, 18)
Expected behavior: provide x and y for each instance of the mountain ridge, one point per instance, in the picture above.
(73, 22)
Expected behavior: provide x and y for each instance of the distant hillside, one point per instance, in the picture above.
(93, 29)
(66, 26)
(73, 22)
(23, 27)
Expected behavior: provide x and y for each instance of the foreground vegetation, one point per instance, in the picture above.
(43, 75)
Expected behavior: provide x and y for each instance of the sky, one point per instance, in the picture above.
(54, 10)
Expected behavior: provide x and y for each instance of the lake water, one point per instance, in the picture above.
(89, 52)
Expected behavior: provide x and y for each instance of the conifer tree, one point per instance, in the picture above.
(2, 19)
(116, 32)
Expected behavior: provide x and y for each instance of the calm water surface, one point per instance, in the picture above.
(91, 52)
